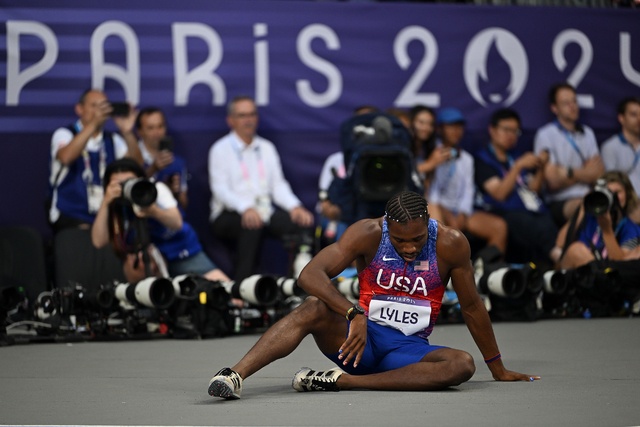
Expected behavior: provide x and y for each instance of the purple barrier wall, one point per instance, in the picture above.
(308, 64)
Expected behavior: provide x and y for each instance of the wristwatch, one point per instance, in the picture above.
(569, 172)
(353, 311)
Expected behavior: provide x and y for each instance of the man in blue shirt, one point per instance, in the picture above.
(80, 154)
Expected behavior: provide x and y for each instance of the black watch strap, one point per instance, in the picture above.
(353, 311)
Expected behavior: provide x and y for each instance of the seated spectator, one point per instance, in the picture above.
(427, 155)
(168, 232)
(156, 147)
(250, 195)
(574, 160)
(608, 235)
(452, 190)
(511, 187)
(622, 151)
(80, 153)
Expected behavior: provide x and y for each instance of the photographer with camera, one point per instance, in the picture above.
(130, 197)
(79, 155)
(156, 147)
(601, 229)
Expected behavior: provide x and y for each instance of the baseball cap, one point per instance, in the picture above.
(450, 115)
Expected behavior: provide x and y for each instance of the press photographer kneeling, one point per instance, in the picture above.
(601, 228)
(138, 225)
(600, 259)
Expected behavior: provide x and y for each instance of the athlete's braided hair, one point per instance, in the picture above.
(406, 206)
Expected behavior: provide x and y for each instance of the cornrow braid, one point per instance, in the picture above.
(406, 206)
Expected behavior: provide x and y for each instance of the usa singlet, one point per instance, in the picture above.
(406, 296)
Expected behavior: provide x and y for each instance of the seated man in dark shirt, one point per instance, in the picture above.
(510, 187)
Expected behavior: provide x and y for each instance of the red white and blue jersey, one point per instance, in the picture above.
(403, 295)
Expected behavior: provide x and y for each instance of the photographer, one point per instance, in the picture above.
(608, 235)
(80, 153)
(174, 238)
(156, 147)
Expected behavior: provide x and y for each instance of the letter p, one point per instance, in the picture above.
(17, 79)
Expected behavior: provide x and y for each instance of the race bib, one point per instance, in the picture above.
(408, 315)
(95, 193)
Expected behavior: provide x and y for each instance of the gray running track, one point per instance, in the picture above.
(590, 377)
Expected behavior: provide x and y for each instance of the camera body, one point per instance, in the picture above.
(379, 163)
(600, 200)
(140, 191)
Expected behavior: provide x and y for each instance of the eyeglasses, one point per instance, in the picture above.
(512, 131)
(245, 115)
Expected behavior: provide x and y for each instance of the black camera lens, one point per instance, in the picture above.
(140, 191)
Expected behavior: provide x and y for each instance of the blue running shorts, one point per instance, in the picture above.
(387, 349)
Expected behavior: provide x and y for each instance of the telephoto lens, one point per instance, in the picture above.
(599, 200)
(102, 298)
(348, 286)
(140, 191)
(289, 287)
(153, 292)
(257, 289)
(556, 282)
(185, 286)
(503, 280)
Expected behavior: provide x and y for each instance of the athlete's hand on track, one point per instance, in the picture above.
(353, 347)
(507, 375)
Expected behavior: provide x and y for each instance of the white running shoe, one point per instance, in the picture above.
(227, 384)
(306, 379)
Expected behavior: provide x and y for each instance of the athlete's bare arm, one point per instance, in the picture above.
(454, 260)
(359, 243)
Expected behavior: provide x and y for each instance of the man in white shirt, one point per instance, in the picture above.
(250, 195)
(574, 159)
(621, 152)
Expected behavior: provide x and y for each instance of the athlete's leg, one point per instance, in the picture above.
(311, 317)
(439, 369)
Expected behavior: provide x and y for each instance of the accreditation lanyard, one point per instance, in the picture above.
(87, 174)
(571, 140)
(262, 176)
(597, 235)
(636, 154)
(505, 171)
